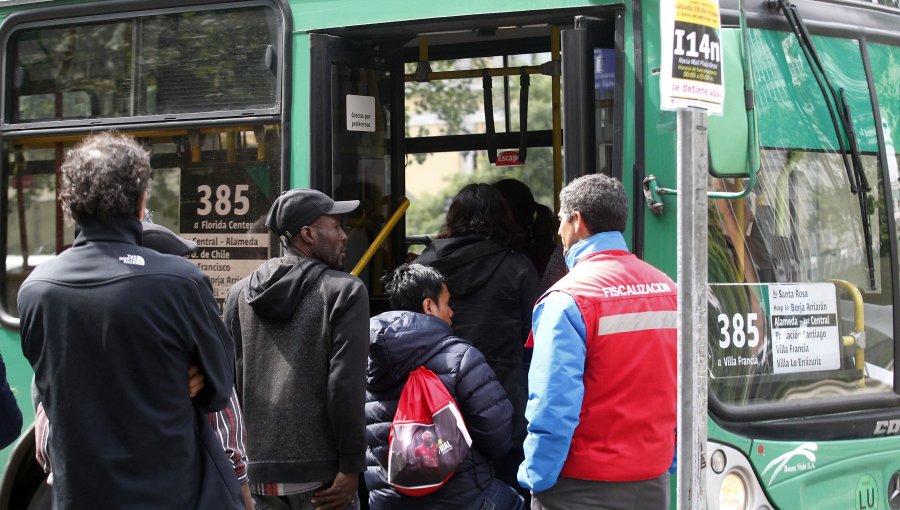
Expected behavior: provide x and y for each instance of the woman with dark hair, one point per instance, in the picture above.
(537, 222)
(493, 290)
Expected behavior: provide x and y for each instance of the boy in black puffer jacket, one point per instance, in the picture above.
(418, 334)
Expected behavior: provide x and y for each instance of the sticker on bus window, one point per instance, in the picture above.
(508, 158)
(804, 325)
(773, 329)
(360, 113)
(223, 209)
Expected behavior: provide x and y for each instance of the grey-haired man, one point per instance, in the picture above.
(300, 327)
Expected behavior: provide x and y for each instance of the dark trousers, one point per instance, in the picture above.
(507, 468)
(497, 496)
(573, 494)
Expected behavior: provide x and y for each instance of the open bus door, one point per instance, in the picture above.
(352, 137)
(592, 74)
(371, 90)
(578, 71)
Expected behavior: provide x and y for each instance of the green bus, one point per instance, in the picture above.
(388, 101)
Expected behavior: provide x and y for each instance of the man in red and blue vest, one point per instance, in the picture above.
(602, 384)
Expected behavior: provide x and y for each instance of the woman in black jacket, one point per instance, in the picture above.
(493, 291)
(419, 334)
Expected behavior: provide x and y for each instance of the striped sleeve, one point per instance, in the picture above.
(42, 437)
(228, 425)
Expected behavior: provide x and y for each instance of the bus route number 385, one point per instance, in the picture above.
(225, 201)
(733, 332)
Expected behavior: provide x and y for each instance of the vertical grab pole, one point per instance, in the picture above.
(692, 298)
(557, 117)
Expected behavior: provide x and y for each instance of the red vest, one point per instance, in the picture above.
(626, 429)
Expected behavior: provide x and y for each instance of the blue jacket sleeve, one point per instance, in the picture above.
(10, 416)
(556, 389)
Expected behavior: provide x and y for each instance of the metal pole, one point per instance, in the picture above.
(692, 280)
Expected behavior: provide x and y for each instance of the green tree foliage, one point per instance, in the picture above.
(452, 101)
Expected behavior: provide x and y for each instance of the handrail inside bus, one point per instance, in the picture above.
(551, 68)
(857, 337)
(423, 72)
(379, 239)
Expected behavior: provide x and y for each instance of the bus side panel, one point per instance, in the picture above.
(659, 150)
(300, 113)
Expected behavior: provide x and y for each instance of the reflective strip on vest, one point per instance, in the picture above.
(641, 321)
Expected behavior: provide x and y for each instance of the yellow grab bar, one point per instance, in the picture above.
(379, 239)
(858, 336)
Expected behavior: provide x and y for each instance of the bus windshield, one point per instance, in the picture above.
(796, 311)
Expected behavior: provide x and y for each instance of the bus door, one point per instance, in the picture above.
(351, 97)
(589, 78)
(421, 109)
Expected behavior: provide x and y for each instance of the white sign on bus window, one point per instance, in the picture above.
(803, 321)
(773, 329)
(360, 113)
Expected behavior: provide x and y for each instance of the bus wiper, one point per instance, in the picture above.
(818, 71)
(839, 111)
(859, 186)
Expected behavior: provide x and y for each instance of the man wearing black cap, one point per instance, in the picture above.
(300, 327)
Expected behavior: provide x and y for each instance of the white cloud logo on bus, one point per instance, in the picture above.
(779, 463)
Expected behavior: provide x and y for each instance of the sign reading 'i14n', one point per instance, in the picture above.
(773, 329)
(691, 73)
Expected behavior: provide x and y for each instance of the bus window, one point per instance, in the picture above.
(456, 107)
(883, 62)
(789, 270)
(188, 62)
(211, 185)
(214, 179)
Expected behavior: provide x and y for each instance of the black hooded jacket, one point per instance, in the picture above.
(110, 328)
(492, 293)
(301, 337)
(400, 343)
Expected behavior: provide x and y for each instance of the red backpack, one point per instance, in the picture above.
(428, 438)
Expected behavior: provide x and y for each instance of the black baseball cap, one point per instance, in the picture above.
(298, 208)
(159, 238)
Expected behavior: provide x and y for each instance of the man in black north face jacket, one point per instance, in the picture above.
(111, 328)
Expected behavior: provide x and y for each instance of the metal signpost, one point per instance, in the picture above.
(692, 282)
(692, 83)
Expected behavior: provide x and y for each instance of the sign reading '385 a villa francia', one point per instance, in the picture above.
(773, 328)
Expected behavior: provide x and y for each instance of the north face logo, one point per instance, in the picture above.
(134, 260)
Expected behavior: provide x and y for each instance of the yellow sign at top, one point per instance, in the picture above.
(698, 12)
